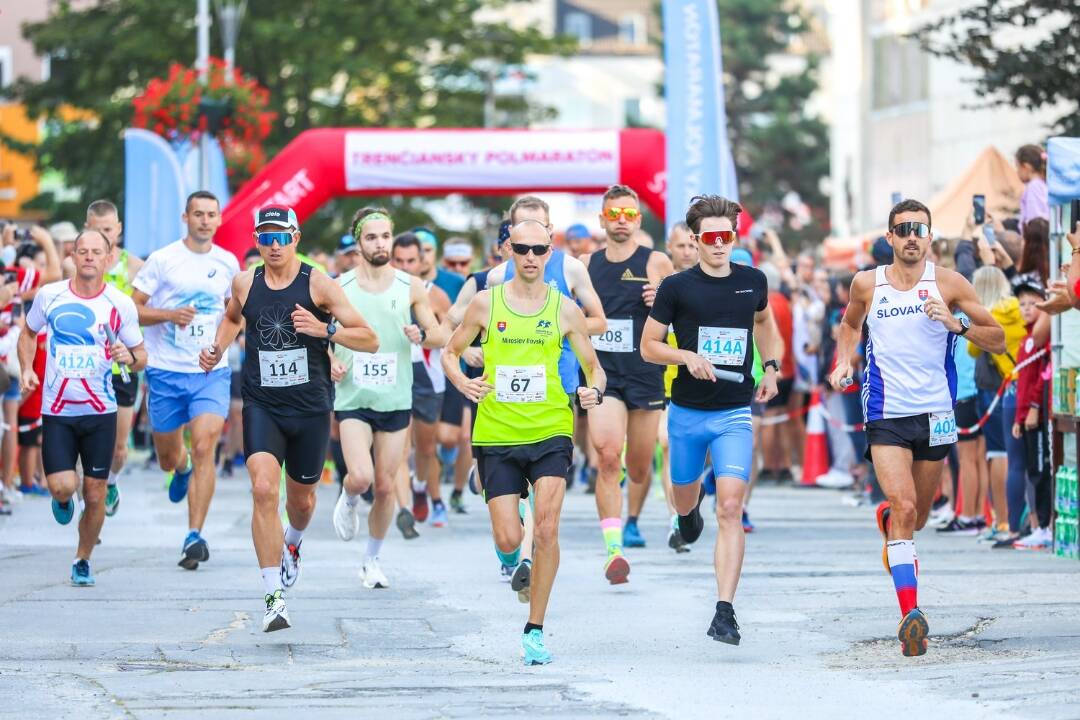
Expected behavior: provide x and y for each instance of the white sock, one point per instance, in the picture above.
(374, 545)
(113, 477)
(271, 579)
(293, 536)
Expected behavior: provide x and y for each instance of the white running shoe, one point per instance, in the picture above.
(277, 616)
(346, 519)
(290, 565)
(372, 575)
(835, 479)
(1039, 539)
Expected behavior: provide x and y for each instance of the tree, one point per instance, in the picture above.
(1027, 54)
(379, 63)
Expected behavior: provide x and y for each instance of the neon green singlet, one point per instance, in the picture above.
(521, 359)
(382, 380)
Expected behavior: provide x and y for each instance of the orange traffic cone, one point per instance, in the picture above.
(816, 449)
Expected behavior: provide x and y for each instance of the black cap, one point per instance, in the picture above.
(1029, 281)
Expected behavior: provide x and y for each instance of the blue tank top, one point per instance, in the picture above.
(555, 276)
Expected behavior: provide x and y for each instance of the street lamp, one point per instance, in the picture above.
(229, 14)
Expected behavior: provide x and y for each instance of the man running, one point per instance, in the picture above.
(102, 216)
(181, 293)
(90, 325)
(524, 420)
(290, 313)
(625, 276)
(909, 388)
(374, 388)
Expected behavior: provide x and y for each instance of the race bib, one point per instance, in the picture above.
(618, 338)
(374, 369)
(78, 361)
(942, 428)
(199, 334)
(283, 368)
(722, 346)
(520, 383)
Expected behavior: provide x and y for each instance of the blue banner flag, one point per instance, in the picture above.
(698, 153)
(153, 193)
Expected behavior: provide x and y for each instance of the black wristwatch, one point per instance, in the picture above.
(965, 325)
(771, 363)
(423, 336)
(331, 328)
(599, 396)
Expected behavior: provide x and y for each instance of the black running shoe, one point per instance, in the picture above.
(691, 525)
(195, 551)
(724, 627)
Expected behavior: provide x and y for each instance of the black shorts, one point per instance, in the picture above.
(29, 432)
(636, 395)
(453, 405)
(427, 407)
(67, 439)
(236, 384)
(510, 469)
(384, 421)
(299, 442)
(783, 394)
(967, 415)
(125, 391)
(911, 432)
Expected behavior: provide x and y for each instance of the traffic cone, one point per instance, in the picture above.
(816, 449)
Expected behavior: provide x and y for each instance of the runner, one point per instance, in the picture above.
(716, 308)
(102, 216)
(290, 311)
(625, 276)
(90, 325)
(374, 389)
(909, 388)
(181, 293)
(523, 429)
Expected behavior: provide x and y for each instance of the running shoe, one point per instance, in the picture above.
(11, 495)
(63, 512)
(290, 564)
(533, 650)
(675, 539)
(1005, 541)
(4, 509)
(724, 627)
(883, 527)
(747, 526)
(1038, 540)
(419, 504)
(195, 551)
(457, 503)
(39, 490)
(372, 575)
(785, 476)
(506, 572)
(958, 527)
(617, 569)
(632, 536)
(178, 483)
(913, 633)
(474, 480)
(277, 615)
(521, 579)
(406, 523)
(346, 518)
(112, 500)
(438, 514)
(81, 575)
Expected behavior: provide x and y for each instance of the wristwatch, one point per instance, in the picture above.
(423, 336)
(331, 328)
(965, 325)
(771, 363)
(599, 396)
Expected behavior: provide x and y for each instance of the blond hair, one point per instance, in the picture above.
(991, 286)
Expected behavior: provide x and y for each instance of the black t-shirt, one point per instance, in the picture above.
(719, 311)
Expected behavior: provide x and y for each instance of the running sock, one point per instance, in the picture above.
(195, 531)
(455, 494)
(529, 627)
(187, 463)
(113, 477)
(435, 504)
(905, 579)
(631, 519)
(374, 545)
(612, 528)
(271, 579)
(692, 524)
(510, 559)
(293, 536)
(447, 455)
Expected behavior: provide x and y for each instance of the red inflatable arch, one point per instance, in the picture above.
(326, 163)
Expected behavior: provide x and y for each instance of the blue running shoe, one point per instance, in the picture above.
(178, 483)
(39, 491)
(438, 515)
(747, 526)
(631, 536)
(533, 650)
(63, 513)
(81, 575)
(195, 551)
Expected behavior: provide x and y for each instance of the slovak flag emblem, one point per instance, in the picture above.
(924, 294)
(501, 325)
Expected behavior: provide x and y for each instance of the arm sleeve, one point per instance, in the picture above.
(130, 334)
(35, 318)
(663, 309)
(146, 281)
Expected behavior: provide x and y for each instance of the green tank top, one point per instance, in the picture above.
(382, 380)
(521, 359)
(117, 275)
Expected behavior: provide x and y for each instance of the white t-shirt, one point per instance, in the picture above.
(78, 361)
(174, 277)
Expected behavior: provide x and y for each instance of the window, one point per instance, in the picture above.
(899, 72)
(579, 25)
(7, 75)
(632, 112)
(632, 29)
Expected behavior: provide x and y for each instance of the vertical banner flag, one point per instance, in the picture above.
(153, 192)
(698, 154)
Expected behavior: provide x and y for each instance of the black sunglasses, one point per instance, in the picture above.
(921, 230)
(523, 249)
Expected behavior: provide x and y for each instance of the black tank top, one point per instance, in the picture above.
(275, 374)
(619, 286)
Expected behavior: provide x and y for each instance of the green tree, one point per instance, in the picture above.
(1027, 54)
(378, 63)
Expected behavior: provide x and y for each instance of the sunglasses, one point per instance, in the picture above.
(631, 214)
(918, 229)
(523, 249)
(267, 239)
(724, 237)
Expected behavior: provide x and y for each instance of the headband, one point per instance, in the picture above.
(366, 218)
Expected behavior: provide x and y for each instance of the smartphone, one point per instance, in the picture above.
(1074, 214)
(978, 202)
(989, 234)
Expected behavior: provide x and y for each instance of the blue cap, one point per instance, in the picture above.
(576, 231)
(347, 243)
(504, 231)
(277, 215)
(426, 236)
(742, 256)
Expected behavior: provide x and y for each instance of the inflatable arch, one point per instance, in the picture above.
(325, 163)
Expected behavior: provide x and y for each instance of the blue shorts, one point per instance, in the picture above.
(14, 391)
(727, 435)
(177, 398)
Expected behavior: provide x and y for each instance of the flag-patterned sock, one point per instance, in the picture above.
(905, 580)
